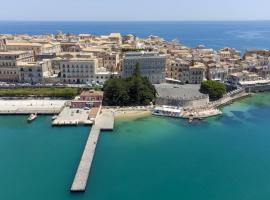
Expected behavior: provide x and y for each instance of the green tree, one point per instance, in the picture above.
(214, 89)
(132, 91)
(115, 93)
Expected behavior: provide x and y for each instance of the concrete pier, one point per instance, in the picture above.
(72, 116)
(104, 121)
(29, 106)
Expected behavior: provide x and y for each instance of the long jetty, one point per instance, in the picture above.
(104, 122)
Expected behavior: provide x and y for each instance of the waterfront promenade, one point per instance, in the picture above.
(229, 98)
(104, 122)
(31, 106)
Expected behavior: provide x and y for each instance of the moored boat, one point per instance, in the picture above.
(32, 117)
(54, 117)
(168, 111)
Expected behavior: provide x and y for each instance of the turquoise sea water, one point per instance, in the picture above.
(151, 158)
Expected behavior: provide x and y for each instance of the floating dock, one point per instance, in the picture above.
(104, 122)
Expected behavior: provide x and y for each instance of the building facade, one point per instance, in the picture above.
(88, 99)
(9, 71)
(152, 65)
(34, 72)
(78, 70)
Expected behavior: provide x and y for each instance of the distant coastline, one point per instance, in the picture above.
(214, 34)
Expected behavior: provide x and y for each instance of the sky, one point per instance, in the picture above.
(134, 10)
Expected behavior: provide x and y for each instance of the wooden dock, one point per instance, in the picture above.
(104, 122)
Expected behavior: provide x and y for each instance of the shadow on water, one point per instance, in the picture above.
(239, 114)
(226, 119)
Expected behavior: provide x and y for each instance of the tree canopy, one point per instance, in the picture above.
(214, 89)
(132, 91)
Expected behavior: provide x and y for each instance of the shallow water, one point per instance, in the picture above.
(225, 157)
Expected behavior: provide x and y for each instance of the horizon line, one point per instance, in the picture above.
(199, 20)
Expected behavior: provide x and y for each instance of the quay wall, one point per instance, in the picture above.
(191, 102)
(31, 106)
(257, 88)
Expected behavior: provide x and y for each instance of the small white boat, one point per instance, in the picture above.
(32, 117)
(54, 117)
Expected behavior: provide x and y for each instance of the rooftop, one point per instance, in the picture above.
(12, 52)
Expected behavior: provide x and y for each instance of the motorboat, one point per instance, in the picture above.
(54, 117)
(168, 111)
(32, 117)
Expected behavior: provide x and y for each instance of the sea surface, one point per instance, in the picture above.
(218, 34)
(221, 158)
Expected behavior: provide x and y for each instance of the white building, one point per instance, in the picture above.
(236, 78)
(34, 72)
(78, 70)
(102, 76)
(217, 72)
(152, 65)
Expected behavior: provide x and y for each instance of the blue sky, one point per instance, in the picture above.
(135, 10)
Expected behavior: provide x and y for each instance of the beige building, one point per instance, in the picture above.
(37, 48)
(2, 44)
(8, 64)
(229, 55)
(217, 72)
(110, 61)
(178, 70)
(34, 72)
(196, 73)
(116, 38)
(78, 70)
(23, 46)
(236, 78)
(183, 71)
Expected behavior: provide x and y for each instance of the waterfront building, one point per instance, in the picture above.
(185, 72)
(161, 61)
(34, 72)
(78, 70)
(152, 65)
(88, 99)
(197, 73)
(8, 64)
(217, 72)
(235, 79)
(101, 76)
(179, 70)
